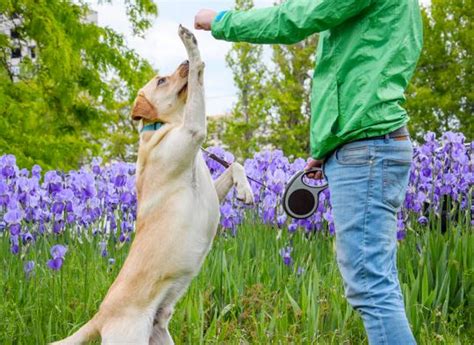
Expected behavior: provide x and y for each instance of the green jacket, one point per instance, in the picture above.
(366, 55)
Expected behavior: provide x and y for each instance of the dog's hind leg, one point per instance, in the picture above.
(86, 333)
(132, 329)
(160, 334)
(234, 175)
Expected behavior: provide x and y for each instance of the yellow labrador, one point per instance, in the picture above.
(178, 210)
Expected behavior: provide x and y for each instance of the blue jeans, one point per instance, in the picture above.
(368, 180)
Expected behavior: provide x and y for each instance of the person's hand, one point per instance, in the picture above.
(313, 163)
(203, 19)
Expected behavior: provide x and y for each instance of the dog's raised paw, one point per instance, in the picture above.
(186, 35)
(245, 194)
(242, 185)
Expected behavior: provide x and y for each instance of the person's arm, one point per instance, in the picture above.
(287, 23)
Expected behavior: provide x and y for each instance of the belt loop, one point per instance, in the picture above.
(387, 137)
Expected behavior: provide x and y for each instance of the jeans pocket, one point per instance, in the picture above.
(395, 181)
(353, 155)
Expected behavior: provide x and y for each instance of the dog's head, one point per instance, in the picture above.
(162, 99)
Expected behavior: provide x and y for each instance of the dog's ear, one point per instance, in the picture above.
(143, 109)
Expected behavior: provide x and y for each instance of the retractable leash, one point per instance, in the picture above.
(300, 200)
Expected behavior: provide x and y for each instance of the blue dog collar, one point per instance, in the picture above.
(152, 127)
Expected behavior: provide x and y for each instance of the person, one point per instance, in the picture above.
(366, 54)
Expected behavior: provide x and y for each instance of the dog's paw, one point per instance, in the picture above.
(242, 185)
(187, 37)
(245, 194)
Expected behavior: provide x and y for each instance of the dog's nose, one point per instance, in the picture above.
(185, 62)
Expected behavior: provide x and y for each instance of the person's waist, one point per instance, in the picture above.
(398, 134)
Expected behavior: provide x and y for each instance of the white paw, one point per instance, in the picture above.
(187, 36)
(242, 185)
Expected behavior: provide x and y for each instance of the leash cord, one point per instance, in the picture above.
(227, 165)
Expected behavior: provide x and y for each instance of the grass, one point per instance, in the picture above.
(245, 294)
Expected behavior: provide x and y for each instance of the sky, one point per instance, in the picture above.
(162, 47)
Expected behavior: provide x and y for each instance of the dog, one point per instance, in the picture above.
(178, 210)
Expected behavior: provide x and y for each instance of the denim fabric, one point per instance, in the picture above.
(368, 180)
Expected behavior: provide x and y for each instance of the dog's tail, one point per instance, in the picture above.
(86, 333)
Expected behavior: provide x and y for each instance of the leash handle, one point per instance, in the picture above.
(324, 183)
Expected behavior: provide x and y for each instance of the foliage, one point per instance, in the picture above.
(60, 108)
(245, 294)
(441, 96)
(273, 107)
(245, 130)
(289, 91)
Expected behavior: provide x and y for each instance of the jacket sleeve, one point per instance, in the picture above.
(287, 23)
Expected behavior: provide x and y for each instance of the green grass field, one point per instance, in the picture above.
(245, 294)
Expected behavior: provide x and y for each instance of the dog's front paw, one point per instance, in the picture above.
(245, 194)
(187, 37)
(242, 185)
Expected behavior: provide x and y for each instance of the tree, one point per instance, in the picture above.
(245, 129)
(289, 91)
(64, 106)
(273, 107)
(441, 95)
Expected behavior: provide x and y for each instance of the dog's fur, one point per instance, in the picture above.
(178, 210)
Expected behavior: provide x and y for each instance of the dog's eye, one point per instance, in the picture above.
(161, 81)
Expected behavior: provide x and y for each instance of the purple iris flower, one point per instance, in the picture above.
(401, 235)
(58, 252)
(285, 253)
(28, 268)
(123, 237)
(292, 227)
(55, 264)
(96, 161)
(281, 219)
(126, 198)
(13, 216)
(58, 226)
(27, 237)
(15, 229)
(58, 208)
(36, 171)
(332, 229)
(14, 244)
(423, 220)
(103, 248)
